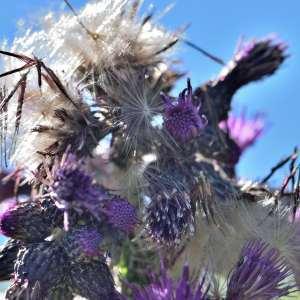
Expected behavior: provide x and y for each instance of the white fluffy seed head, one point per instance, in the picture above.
(113, 37)
(38, 110)
(138, 100)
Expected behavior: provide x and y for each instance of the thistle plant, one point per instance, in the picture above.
(115, 188)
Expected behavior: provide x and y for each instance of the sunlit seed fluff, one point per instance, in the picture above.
(112, 36)
(137, 100)
(261, 273)
(49, 124)
(169, 216)
(182, 117)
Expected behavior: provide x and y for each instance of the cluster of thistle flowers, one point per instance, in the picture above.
(97, 100)
(259, 274)
(62, 239)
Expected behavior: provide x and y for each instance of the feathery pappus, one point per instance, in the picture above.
(121, 189)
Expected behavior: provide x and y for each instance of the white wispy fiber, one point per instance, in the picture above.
(112, 36)
(218, 245)
(138, 100)
(38, 110)
(115, 37)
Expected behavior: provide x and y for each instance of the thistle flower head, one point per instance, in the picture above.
(7, 222)
(92, 280)
(120, 213)
(72, 187)
(169, 216)
(182, 118)
(245, 49)
(89, 241)
(43, 263)
(244, 131)
(260, 274)
(27, 221)
(163, 287)
(252, 61)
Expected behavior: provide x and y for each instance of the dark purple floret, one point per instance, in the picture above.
(89, 241)
(169, 216)
(72, 184)
(163, 287)
(121, 214)
(82, 242)
(182, 118)
(5, 216)
(8, 223)
(72, 187)
(260, 274)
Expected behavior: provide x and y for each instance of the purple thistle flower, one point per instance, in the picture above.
(244, 131)
(72, 187)
(182, 118)
(89, 241)
(163, 287)
(7, 222)
(169, 217)
(259, 274)
(120, 213)
(6, 205)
